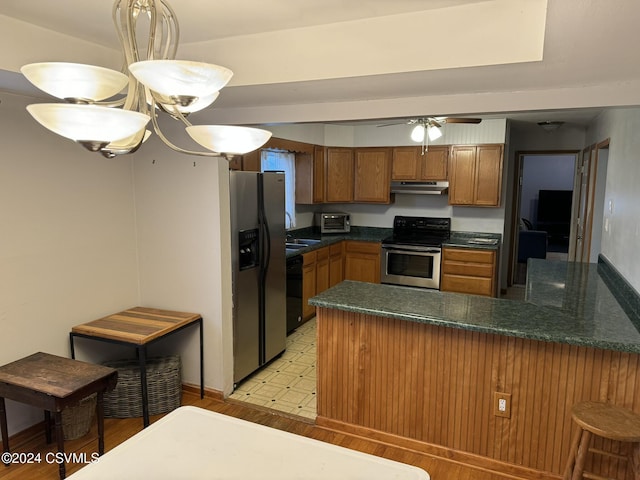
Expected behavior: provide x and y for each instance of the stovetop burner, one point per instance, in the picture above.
(419, 231)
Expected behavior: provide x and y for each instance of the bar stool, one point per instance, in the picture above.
(604, 420)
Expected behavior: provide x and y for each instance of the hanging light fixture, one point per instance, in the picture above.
(426, 129)
(155, 83)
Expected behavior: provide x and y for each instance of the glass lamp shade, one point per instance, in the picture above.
(178, 78)
(75, 80)
(88, 123)
(229, 139)
(417, 134)
(434, 133)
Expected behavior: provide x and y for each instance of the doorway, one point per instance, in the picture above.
(588, 212)
(543, 208)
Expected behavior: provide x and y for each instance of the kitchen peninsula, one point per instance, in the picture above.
(426, 367)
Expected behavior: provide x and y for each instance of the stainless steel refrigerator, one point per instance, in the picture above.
(258, 240)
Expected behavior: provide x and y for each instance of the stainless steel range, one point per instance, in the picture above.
(412, 255)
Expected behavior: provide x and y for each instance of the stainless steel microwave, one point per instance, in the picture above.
(333, 222)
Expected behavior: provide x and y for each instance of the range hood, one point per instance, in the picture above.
(420, 188)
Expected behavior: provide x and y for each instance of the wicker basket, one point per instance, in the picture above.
(76, 420)
(164, 387)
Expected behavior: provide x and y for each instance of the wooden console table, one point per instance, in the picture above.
(139, 327)
(53, 383)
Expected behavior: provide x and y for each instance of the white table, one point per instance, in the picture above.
(193, 443)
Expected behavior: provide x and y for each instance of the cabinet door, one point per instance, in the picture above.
(362, 262)
(310, 176)
(462, 175)
(372, 175)
(304, 178)
(308, 284)
(339, 175)
(434, 164)
(406, 163)
(322, 269)
(251, 161)
(336, 263)
(488, 175)
(319, 154)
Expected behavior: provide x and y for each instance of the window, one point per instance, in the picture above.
(284, 162)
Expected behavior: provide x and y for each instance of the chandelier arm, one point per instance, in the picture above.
(173, 35)
(168, 143)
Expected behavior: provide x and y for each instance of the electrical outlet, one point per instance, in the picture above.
(502, 404)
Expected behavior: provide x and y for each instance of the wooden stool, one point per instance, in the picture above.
(604, 420)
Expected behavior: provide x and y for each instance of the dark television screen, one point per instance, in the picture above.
(554, 206)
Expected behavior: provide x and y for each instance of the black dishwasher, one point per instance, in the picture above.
(294, 292)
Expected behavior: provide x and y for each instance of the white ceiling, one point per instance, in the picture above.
(590, 59)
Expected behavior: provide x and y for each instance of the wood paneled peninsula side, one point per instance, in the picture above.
(423, 367)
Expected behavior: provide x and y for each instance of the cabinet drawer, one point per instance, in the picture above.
(322, 254)
(336, 249)
(468, 269)
(363, 247)
(464, 284)
(467, 255)
(308, 258)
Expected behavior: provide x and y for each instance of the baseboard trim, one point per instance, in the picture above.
(208, 392)
(479, 462)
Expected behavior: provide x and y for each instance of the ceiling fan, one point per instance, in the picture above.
(428, 128)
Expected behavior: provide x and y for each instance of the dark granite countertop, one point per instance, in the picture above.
(565, 303)
(489, 241)
(363, 234)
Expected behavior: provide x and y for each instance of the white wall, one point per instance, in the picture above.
(67, 244)
(184, 248)
(621, 227)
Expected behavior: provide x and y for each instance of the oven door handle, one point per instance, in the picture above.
(410, 249)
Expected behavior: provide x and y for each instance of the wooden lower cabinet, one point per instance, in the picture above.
(362, 261)
(308, 284)
(336, 263)
(321, 269)
(471, 271)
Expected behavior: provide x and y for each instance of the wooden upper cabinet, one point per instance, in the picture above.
(410, 165)
(339, 175)
(488, 175)
(251, 161)
(319, 161)
(475, 175)
(435, 163)
(372, 175)
(462, 171)
(310, 176)
(406, 164)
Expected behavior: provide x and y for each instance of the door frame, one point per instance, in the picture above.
(516, 199)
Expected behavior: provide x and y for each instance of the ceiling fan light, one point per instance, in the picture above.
(88, 123)
(75, 81)
(179, 78)
(417, 134)
(434, 133)
(229, 139)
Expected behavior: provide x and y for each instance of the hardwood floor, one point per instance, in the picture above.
(118, 430)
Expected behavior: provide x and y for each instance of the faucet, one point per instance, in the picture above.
(290, 219)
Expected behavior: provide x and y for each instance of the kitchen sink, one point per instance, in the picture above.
(302, 241)
(296, 246)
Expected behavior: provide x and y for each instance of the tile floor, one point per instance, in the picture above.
(287, 384)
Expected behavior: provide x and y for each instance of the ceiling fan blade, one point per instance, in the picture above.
(462, 120)
(391, 124)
